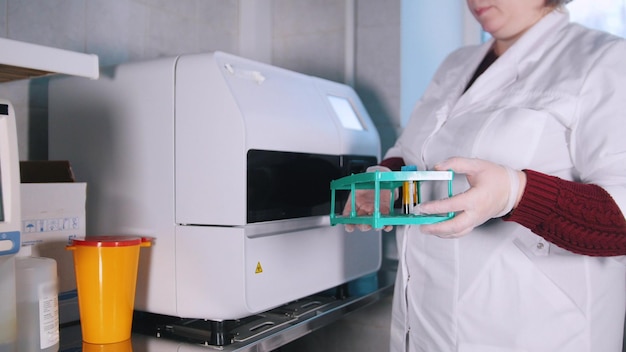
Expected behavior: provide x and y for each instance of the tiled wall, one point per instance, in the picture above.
(117, 31)
(307, 36)
(378, 64)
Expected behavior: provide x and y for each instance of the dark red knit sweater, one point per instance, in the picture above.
(582, 218)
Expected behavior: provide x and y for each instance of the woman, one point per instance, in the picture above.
(531, 123)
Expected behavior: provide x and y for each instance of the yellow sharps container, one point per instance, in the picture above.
(106, 278)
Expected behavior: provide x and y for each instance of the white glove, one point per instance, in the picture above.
(365, 204)
(494, 191)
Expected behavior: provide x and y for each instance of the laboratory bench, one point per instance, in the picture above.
(259, 333)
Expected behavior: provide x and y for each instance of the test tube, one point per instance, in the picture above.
(409, 192)
(408, 202)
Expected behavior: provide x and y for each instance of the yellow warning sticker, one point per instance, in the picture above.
(259, 268)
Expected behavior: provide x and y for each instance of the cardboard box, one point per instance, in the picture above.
(53, 214)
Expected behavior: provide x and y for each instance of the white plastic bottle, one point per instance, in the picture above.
(37, 303)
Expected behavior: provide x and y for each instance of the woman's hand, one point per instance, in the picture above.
(494, 191)
(364, 202)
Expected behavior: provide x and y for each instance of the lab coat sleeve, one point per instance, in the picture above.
(598, 144)
(588, 217)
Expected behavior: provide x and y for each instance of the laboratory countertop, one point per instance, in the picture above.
(263, 332)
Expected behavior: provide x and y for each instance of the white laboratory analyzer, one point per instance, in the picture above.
(226, 163)
(10, 225)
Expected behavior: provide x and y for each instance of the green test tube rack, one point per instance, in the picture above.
(386, 180)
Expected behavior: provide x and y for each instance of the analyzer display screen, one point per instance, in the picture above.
(345, 111)
(4, 110)
(1, 200)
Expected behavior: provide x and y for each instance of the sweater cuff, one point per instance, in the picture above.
(538, 200)
(394, 163)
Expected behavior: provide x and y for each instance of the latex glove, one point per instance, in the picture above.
(365, 204)
(494, 191)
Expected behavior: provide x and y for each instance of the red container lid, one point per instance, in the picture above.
(109, 241)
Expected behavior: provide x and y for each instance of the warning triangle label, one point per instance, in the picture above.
(259, 268)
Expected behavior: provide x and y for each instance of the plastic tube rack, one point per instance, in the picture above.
(379, 181)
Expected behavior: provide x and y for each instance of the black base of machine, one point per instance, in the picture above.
(226, 332)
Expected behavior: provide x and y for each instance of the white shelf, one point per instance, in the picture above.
(20, 60)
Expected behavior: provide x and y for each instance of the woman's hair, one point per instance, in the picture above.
(556, 3)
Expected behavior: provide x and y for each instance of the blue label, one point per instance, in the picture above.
(9, 242)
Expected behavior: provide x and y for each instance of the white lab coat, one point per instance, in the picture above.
(555, 102)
